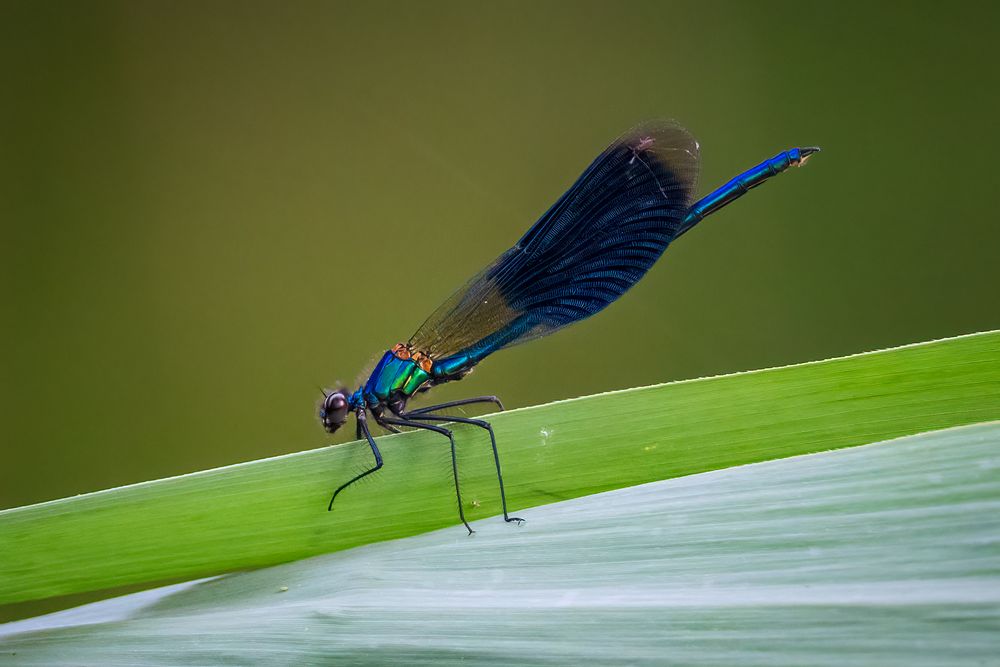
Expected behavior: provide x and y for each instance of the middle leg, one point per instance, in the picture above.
(454, 457)
(418, 415)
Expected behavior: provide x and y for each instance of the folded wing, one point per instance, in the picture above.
(587, 250)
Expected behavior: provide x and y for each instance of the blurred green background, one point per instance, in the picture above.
(211, 209)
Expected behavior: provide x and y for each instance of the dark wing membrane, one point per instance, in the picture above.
(595, 242)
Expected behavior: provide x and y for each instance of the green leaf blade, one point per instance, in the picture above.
(271, 511)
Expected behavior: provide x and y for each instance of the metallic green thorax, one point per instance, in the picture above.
(417, 378)
(393, 375)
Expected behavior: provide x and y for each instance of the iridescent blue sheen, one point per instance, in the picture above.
(357, 399)
(472, 355)
(738, 186)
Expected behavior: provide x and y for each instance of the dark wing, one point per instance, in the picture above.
(595, 242)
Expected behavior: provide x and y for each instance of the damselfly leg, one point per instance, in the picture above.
(454, 457)
(363, 427)
(493, 443)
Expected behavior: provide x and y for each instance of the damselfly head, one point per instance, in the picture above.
(333, 411)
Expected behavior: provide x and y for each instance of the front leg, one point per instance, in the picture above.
(362, 427)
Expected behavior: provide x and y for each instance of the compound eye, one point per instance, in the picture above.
(335, 409)
(335, 402)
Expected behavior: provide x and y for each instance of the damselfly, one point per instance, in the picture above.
(587, 250)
